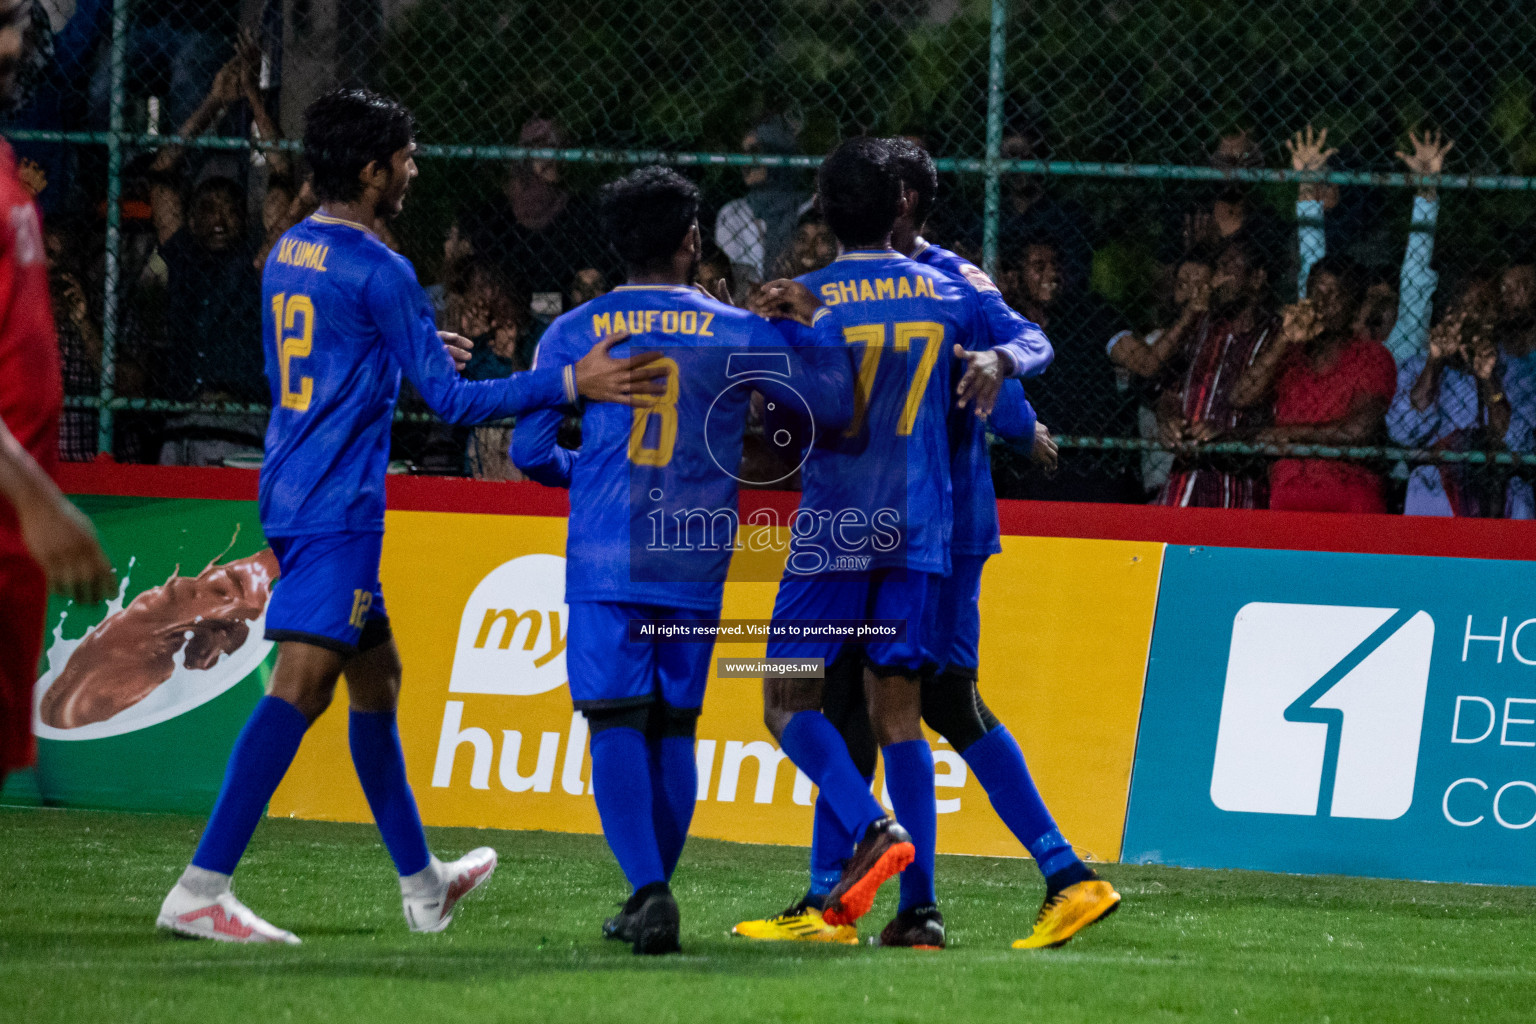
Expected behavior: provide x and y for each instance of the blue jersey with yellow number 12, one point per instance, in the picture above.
(654, 488)
(881, 488)
(343, 316)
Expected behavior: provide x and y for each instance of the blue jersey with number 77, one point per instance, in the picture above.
(879, 493)
(343, 316)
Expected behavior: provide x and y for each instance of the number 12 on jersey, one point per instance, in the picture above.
(294, 316)
(872, 337)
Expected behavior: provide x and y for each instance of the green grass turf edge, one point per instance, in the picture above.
(77, 942)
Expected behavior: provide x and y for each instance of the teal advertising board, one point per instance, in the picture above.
(1340, 713)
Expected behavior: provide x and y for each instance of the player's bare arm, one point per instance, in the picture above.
(57, 534)
(983, 378)
(629, 380)
(785, 300)
(459, 348)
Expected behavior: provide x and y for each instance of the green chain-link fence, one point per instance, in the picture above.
(1119, 165)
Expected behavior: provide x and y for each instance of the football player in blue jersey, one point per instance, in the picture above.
(653, 521)
(344, 317)
(952, 706)
(872, 534)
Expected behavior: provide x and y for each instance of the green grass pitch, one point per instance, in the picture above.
(81, 890)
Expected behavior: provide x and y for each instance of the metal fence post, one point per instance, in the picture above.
(112, 282)
(995, 69)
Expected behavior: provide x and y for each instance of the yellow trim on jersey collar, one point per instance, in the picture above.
(923, 245)
(327, 219)
(653, 287)
(868, 254)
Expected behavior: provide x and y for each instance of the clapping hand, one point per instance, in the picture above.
(1299, 323)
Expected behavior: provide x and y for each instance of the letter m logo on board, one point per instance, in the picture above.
(1322, 709)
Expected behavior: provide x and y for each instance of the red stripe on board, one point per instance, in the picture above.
(1300, 531)
(1303, 531)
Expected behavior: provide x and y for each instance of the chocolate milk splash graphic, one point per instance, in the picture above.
(189, 624)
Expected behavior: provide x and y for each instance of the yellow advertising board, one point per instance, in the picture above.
(477, 604)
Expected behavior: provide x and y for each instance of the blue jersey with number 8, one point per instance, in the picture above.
(343, 316)
(654, 488)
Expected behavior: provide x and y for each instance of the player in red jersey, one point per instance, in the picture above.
(44, 540)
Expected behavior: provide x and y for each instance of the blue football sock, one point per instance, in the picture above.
(674, 792)
(999, 766)
(621, 782)
(257, 763)
(380, 764)
(816, 748)
(909, 778)
(831, 845)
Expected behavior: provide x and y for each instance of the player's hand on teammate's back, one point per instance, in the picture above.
(63, 542)
(785, 300)
(982, 381)
(458, 347)
(627, 381)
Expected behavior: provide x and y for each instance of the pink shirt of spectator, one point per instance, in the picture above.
(1303, 395)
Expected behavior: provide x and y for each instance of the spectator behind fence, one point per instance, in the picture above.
(79, 331)
(1201, 406)
(1517, 306)
(1417, 280)
(485, 306)
(813, 247)
(1327, 386)
(1079, 395)
(541, 236)
(1145, 358)
(1465, 394)
(1030, 211)
(1220, 212)
(757, 230)
(212, 347)
(715, 272)
(174, 49)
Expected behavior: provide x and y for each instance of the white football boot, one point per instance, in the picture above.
(431, 894)
(222, 918)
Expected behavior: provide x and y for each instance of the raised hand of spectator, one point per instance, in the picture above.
(1299, 323)
(229, 82)
(1307, 154)
(1428, 156)
(1445, 338)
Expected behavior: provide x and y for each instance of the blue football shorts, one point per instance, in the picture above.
(328, 593)
(879, 594)
(957, 615)
(607, 670)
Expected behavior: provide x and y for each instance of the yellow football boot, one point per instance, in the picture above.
(799, 923)
(1069, 912)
